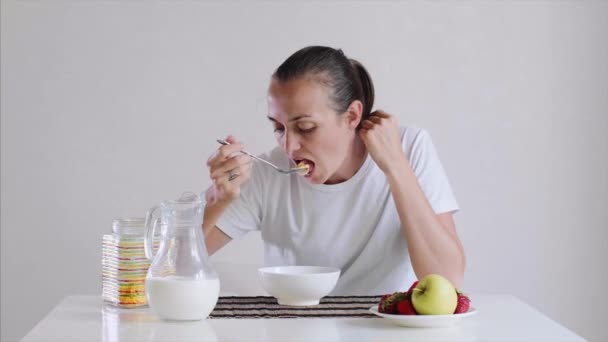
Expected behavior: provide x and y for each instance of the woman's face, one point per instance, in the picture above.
(309, 130)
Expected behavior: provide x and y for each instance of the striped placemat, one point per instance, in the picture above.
(267, 307)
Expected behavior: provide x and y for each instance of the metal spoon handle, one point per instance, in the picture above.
(224, 142)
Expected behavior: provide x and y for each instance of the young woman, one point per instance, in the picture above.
(375, 201)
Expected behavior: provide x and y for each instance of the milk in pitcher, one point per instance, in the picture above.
(182, 298)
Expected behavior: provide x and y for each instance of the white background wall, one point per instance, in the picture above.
(111, 106)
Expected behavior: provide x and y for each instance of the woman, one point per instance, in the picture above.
(375, 201)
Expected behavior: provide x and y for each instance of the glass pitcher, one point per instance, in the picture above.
(181, 283)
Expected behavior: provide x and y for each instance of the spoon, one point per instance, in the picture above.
(301, 170)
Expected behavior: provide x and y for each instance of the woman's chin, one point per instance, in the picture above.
(314, 179)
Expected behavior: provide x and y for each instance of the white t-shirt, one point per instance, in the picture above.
(353, 225)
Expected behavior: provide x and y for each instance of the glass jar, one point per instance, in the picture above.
(124, 264)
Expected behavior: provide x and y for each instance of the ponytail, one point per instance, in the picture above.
(367, 89)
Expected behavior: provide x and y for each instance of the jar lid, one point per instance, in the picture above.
(129, 226)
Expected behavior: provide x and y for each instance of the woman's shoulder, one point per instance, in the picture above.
(412, 134)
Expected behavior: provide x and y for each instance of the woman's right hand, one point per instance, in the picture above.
(228, 170)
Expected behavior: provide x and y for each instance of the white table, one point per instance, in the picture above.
(86, 318)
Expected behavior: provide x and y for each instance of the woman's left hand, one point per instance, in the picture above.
(380, 134)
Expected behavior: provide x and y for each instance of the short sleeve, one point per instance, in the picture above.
(245, 214)
(430, 173)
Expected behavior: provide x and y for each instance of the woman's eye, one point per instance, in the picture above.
(278, 129)
(306, 128)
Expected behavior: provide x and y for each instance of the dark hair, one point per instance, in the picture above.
(346, 78)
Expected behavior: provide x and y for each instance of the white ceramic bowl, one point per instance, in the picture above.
(299, 285)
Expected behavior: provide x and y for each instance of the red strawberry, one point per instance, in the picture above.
(408, 294)
(382, 302)
(389, 304)
(405, 307)
(412, 287)
(463, 304)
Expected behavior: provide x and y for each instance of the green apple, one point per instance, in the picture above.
(434, 295)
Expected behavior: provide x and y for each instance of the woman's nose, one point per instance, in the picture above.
(291, 144)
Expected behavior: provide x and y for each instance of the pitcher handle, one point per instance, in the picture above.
(189, 196)
(150, 226)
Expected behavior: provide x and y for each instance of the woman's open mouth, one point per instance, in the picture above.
(307, 165)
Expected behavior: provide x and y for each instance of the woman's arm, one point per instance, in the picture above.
(228, 170)
(215, 238)
(433, 244)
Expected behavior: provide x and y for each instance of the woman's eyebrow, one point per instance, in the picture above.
(290, 120)
(299, 117)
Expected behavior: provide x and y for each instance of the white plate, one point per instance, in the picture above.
(424, 321)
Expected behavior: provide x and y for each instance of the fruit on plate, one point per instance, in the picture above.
(405, 307)
(388, 303)
(414, 284)
(434, 295)
(463, 304)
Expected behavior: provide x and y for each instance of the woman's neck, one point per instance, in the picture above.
(351, 164)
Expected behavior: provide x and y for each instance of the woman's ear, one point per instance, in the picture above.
(353, 114)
